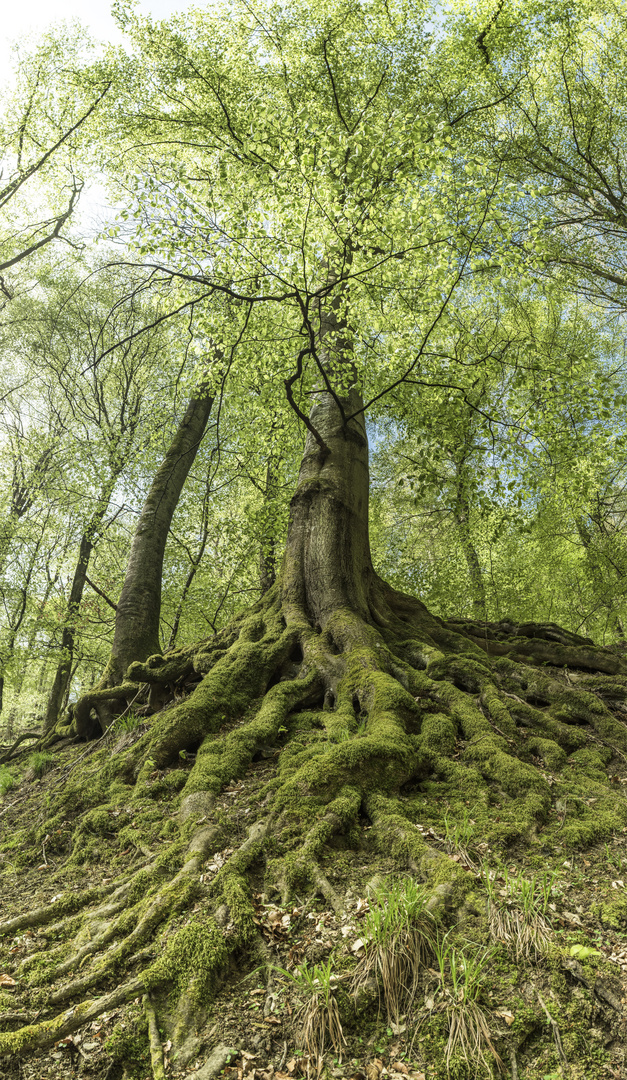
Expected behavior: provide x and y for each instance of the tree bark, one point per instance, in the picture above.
(139, 607)
(328, 566)
(61, 681)
(327, 562)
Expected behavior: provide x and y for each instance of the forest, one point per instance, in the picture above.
(313, 544)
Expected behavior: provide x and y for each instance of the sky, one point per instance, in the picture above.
(21, 17)
(32, 17)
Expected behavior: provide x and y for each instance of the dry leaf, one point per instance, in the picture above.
(507, 1016)
(400, 1066)
(357, 945)
(272, 1020)
(6, 980)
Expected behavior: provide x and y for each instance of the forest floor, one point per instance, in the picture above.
(558, 1011)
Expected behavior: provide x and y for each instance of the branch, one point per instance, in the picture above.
(9, 191)
(290, 397)
(59, 223)
(101, 593)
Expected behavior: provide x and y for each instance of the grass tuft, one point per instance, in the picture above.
(7, 780)
(462, 972)
(398, 941)
(318, 1013)
(518, 911)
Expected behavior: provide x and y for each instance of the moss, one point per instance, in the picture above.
(168, 785)
(218, 762)
(128, 1044)
(142, 882)
(172, 859)
(612, 913)
(438, 733)
(198, 951)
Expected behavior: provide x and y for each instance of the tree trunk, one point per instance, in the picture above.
(267, 551)
(462, 520)
(327, 560)
(139, 607)
(68, 638)
(61, 681)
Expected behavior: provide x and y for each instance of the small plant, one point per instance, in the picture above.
(125, 724)
(462, 973)
(458, 834)
(40, 762)
(398, 940)
(518, 910)
(7, 780)
(615, 860)
(318, 1012)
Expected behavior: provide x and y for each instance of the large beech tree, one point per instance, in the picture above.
(326, 184)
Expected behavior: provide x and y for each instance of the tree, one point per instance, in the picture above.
(324, 182)
(49, 115)
(138, 609)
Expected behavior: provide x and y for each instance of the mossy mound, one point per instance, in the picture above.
(199, 867)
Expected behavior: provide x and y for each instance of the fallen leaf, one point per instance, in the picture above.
(272, 1020)
(507, 1016)
(6, 980)
(357, 945)
(400, 1066)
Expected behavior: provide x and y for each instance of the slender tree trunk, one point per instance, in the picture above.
(267, 553)
(61, 681)
(68, 636)
(587, 541)
(139, 607)
(462, 520)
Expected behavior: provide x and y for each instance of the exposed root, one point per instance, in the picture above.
(9, 752)
(371, 737)
(154, 1039)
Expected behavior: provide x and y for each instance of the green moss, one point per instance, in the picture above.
(198, 951)
(438, 733)
(128, 1044)
(552, 755)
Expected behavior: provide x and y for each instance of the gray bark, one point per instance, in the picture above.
(139, 607)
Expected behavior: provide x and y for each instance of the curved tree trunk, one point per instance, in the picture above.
(139, 607)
